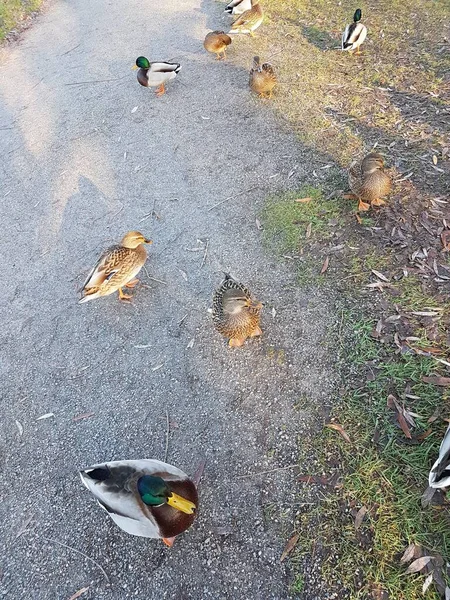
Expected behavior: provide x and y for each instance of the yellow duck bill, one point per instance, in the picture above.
(181, 504)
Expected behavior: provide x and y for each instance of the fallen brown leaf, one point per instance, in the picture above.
(412, 551)
(424, 435)
(326, 262)
(313, 479)
(79, 593)
(360, 516)
(309, 230)
(304, 200)
(340, 429)
(289, 546)
(404, 425)
(444, 381)
(83, 416)
(380, 275)
(418, 564)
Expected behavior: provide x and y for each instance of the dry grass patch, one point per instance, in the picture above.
(12, 12)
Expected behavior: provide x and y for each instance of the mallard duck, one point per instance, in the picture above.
(439, 476)
(155, 74)
(237, 7)
(235, 314)
(148, 498)
(354, 34)
(249, 20)
(116, 268)
(262, 78)
(217, 42)
(368, 181)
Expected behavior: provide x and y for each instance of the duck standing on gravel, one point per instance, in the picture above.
(237, 7)
(368, 181)
(116, 268)
(262, 78)
(155, 74)
(217, 42)
(235, 314)
(148, 498)
(249, 20)
(354, 34)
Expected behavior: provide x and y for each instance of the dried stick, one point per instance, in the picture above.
(79, 552)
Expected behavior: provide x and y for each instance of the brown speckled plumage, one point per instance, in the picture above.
(368, 181)
(217, 42)
(262, 78)
(116, 267)
(249, 20)
(244, 322)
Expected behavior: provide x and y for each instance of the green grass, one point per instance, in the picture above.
(286, 221)
(387, 479)
(14, 11)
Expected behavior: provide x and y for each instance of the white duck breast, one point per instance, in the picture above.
(161, 72)
(119, 500)
(353, 36)
(237, 7)
(439, 476)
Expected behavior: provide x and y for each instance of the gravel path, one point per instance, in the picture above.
(87, 154)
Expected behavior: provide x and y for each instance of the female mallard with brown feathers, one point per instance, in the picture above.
(235, 314)
(148, 498)
(368, 181)
(249, 20)
(155, 74)
(217, 42)
(262, 78)
(116, 268)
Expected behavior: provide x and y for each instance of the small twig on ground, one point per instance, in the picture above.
(167, 436)
(67, 51)
(183, 319)
(95, 81)
(204, 255)
(266, 472)
(79, 552)
(231, 198)
(154, 278)
(117, 212)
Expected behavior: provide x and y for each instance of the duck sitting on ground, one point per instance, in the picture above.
(116, 268)
(249, 20)
(237, 7)
(262, 78)
(235, 314)
(439, 476)
(217, 42)
(155, 74)
(368, 181)
(148, 498)
(354, 34)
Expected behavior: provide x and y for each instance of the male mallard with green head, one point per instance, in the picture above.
(235, 314)
(116, 268)
(145, 497)
(354, 34)
(155, 74)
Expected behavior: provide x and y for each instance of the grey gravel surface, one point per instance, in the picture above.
(83, 161)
